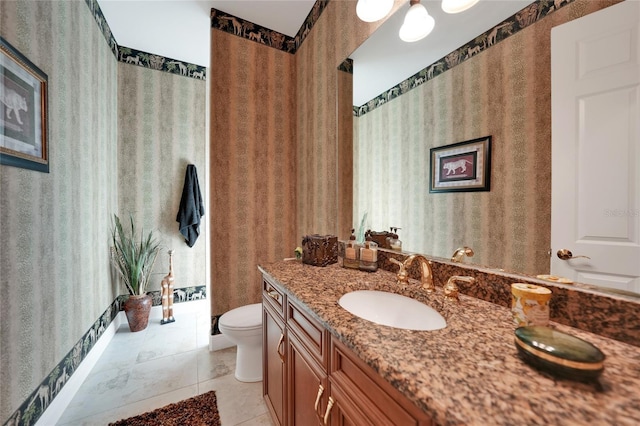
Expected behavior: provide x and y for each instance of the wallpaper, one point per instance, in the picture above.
(324, 180)
(55, 227)
(160, 63)
(529, 15)
(161, 130)
(120, 139)
(503, 91)
(274, 152)
(230, 24)
(140, 58)
(253, 167)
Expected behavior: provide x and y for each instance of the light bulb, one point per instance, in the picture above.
(417, 24)
(457, 6)
(373, 10)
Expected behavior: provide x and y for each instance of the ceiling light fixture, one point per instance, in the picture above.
(457, 6)
(373, 10)
(417, 23)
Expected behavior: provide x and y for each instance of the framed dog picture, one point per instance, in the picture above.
(23, 111)
(462, 166)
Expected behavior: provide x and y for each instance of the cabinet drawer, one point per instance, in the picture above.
(382, 403)
(310, 332)
(273, 295)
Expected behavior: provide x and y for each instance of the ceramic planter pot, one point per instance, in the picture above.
(137, 308)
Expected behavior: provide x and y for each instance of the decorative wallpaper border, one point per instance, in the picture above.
(140, 58)
(36, 404)
(346, 66)
(94, 7)
(160, 63)
(231, 24)
(510, 26)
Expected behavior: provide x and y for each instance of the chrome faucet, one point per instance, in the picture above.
(425, 271)
(451, 289)
(460, 252)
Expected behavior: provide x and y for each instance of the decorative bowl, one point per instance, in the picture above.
(559, 354)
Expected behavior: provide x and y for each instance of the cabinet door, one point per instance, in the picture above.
(307, 386)
(274, 363)
(344, 411)
(378, 402)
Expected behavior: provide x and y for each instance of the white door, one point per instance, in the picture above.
(595, 201)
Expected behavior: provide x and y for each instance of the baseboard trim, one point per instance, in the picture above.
(219, 341)
(60, 403)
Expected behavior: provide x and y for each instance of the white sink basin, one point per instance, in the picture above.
(393, 310)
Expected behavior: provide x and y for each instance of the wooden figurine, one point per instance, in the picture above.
(167, 294)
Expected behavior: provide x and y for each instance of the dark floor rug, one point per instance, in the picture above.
(201, 410)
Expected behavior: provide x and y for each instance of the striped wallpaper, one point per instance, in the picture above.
(274, 169)
(161, 129)
(120, 139)
(253, 168)
(55, 227)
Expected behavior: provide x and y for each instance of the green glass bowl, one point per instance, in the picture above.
(558, 353)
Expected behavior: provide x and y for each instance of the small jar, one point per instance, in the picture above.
(351, 255)
(530, 304)
(369, 257)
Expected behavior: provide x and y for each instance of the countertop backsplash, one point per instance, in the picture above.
(576, 305)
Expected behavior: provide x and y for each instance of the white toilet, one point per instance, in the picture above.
(243, 327)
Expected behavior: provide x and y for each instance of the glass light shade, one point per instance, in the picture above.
(373, 10)
(457, 6)
(417, 24)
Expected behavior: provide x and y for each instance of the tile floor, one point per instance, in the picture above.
(142, 371)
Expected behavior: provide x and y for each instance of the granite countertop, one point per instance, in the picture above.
(468, 373)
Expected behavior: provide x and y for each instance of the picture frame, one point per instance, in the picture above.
(461, 167)
(23, 111)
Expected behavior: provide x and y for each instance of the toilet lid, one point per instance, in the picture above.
(249, 316)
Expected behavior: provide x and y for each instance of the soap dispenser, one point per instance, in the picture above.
(369, 256)
(351, 253)
(394, 241)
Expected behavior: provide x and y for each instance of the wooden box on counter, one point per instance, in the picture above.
(319, 250)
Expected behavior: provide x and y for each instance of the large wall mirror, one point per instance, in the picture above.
(484, 72)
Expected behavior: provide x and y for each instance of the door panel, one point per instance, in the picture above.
(595, 74)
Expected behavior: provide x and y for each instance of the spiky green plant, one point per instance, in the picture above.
(133, 259)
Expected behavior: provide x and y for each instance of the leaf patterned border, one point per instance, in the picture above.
(529, 15)
(140, 58)
(35, 405)
(231, 24)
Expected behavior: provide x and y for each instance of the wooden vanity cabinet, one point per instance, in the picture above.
(308, 352)
(310, 376)
(274, 351)
(295, 354)
(307, 386)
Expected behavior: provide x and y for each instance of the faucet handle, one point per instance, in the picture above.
(403, 277)
(451, 289)
(460, 252)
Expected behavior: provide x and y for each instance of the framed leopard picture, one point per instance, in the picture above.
(462, 166)
(23, 111)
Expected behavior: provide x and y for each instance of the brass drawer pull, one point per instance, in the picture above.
(320, 391)
(280, 342)
(329, 406)
(274, 295)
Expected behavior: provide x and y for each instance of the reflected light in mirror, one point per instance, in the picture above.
(417, 23)
(373, 10)
(457, 6)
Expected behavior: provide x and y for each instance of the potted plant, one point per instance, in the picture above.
(133, 256)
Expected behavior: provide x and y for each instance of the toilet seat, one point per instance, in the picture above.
(246, 318)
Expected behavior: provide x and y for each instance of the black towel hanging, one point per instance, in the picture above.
(191, 207)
